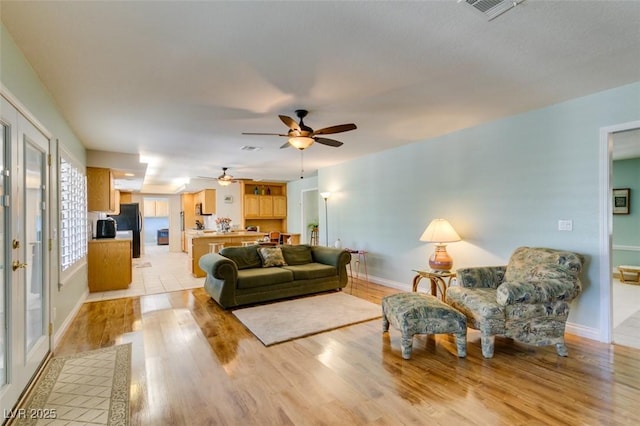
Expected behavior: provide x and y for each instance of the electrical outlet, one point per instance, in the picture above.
(565, 225)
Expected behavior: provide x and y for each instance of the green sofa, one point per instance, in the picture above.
(237, 276)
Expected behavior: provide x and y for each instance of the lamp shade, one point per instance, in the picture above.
(440, 231)
(325, 195)
(301, 142)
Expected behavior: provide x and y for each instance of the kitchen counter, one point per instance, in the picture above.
(198, 243)
(109, 263)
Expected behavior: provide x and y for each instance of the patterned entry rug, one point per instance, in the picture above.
(282, 321)
(88, 388)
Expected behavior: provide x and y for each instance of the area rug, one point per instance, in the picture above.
(84, 388)
(283, 321)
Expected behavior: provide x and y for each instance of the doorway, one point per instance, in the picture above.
(608, 137)
(309, 214)
(24, 226)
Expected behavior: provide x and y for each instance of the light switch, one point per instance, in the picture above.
(565, 225)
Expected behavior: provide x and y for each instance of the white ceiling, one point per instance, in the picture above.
(178, 82)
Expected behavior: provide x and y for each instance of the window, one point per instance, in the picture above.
(73, 214)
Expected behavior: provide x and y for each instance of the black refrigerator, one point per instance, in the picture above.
(130, 219)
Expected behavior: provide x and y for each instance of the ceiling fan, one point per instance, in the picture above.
(302, 136)
(224, 179)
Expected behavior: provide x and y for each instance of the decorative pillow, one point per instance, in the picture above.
(271, 256)
(297, 255)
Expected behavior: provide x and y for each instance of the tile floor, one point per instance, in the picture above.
(157, 271)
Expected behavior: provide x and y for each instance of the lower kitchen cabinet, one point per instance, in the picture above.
(109, 264)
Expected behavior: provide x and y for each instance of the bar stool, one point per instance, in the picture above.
(361, 258)
(215, 247)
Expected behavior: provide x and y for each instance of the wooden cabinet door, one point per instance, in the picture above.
(149, 208)
(251, 206)
(100, 192)
(209, 201)
(279, 206)
(162, 208)
(266, 206)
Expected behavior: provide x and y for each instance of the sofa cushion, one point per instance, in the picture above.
(271, 256)
(480, 301)
(261, 277)
(297, 255)
(244, 257)
(312, 271)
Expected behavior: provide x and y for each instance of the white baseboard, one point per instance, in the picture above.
(389, 283)
(67, 321)
(586, 332)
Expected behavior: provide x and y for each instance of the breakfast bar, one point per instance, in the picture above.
(198, 243)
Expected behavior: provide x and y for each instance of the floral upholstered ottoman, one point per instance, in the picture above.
(419, 313)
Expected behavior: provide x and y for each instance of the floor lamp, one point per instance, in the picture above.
(325, 196)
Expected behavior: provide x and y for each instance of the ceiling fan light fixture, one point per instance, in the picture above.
(224, 182)
(301, 142)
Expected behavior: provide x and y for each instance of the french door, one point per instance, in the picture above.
(24, 290)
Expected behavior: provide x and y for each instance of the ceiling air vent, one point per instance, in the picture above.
(493, 8)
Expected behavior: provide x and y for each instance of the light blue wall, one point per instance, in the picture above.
(501, 185)
(626, 228)
(21, 81)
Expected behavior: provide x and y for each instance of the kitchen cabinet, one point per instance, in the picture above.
(101, 193)
(264, 205)
(156, 208)
(109, 264)
(207, 198)
(279, 206)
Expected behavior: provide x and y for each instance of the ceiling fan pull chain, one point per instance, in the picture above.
(301, 165)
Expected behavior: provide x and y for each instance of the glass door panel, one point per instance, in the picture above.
(34, 207)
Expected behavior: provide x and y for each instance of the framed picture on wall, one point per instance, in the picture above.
(621, 201)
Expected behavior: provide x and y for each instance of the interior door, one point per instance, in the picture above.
(25, 307)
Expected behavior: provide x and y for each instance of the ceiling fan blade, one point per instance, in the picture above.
(289, 122)
(285, 145)
(336, 129)
(264, 134)
(329, 142)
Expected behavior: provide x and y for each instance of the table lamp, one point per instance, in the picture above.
(440, 231)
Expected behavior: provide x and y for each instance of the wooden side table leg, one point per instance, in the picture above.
(416, 281)
(434, 286)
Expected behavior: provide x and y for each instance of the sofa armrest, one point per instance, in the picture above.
(330, 256)
(219, 267)
(334, 257)
(481, 277)
(533, 292)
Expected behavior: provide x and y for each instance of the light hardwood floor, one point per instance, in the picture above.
(195, 364)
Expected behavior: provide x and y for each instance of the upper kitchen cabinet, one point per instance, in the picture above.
(206, 201)
(156, 208)
(101, 193)
(265, 205)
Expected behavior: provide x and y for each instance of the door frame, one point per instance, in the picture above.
(304, 208)
(606, 225)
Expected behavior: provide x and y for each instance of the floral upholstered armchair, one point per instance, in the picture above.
(527, 300)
